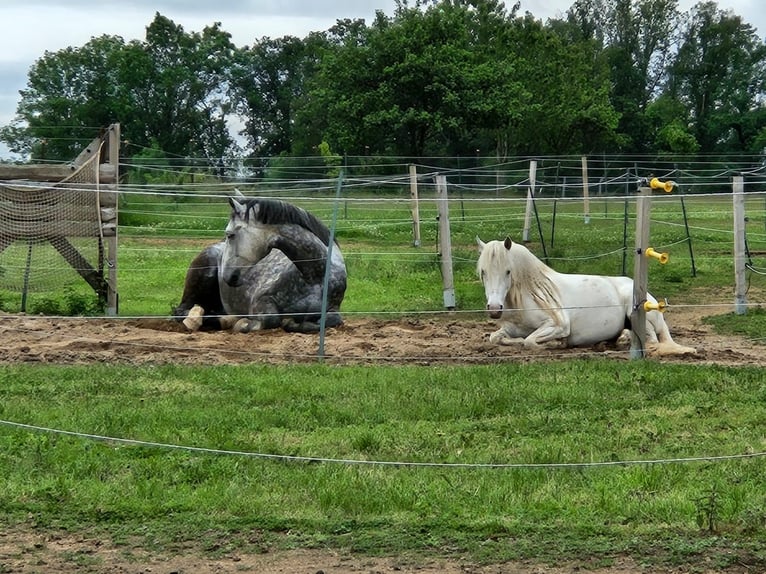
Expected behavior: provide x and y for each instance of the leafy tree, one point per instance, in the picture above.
(150, 165)
(67, 94)
(425, 62)
(173, 88)
(640, 38)
(669, 127)
(268, 81)
(169, 90)
(438, 77)
(392, 87)
(637, 38)
(340, 92)
(429, 81)
(719, 76)
(569, 80)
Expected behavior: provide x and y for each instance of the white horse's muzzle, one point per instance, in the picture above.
(495, 311)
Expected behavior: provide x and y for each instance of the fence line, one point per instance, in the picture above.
(387, 463)
(466, 215)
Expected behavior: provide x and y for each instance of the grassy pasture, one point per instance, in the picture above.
(562, 412)
(161, 234)
(539, 414)
(161, 231)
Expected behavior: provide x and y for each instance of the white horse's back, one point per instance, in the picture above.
(597, 306)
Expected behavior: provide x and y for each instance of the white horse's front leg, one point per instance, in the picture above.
(658, 339)
(547, 333)
(507, 334)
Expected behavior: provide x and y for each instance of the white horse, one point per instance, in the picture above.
(538, 305)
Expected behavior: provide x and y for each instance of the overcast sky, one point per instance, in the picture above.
(30, 27)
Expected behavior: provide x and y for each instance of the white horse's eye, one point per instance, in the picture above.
(508, 273)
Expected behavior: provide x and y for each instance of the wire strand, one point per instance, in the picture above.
(389, 463)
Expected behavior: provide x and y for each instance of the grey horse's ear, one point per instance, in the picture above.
(238, 207)
(508, 243)
(480, 243)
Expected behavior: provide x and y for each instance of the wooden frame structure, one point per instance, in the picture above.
(97, 217)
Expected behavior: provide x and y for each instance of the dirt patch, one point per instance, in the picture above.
(25, 552)
(426, 340)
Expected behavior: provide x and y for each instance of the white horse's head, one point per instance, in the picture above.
(494, 269)
(245, 243)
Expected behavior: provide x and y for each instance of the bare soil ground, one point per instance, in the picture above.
(25, 552)
(426, 340)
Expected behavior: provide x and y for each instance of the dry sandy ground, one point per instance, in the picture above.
(27, 553)
(427, 340)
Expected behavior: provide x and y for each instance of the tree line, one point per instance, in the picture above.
(437, 78)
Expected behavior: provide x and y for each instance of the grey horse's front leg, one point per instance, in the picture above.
(312, 323)
(265, 315)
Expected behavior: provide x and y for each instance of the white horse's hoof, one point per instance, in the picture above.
(498, 338)
(624, 340)
(193, 320)
(670, 348)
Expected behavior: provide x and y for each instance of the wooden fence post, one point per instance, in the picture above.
(530, 199)
(112, 302)
(585, 192)
(640, 274)
(445, 242)
(740, 283)
(415, 205)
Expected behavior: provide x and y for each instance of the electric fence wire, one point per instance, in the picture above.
(385, 463)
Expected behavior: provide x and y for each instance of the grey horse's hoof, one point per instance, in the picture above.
(247, 325)
(193, 320)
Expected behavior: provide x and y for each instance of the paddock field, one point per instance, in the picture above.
(439, 339)
(380, 329)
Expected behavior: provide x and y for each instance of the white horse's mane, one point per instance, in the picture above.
(530, 277)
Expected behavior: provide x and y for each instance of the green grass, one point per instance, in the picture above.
(558, 412)
(553, 413)
(751, 325)
(159, 236)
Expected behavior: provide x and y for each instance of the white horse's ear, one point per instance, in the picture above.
(480, 243)
(238, 194)
(508, 243)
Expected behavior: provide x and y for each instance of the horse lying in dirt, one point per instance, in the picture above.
(267, 273)
(538, 305)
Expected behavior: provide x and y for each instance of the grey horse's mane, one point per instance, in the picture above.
(278, 212)
(530, 275)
